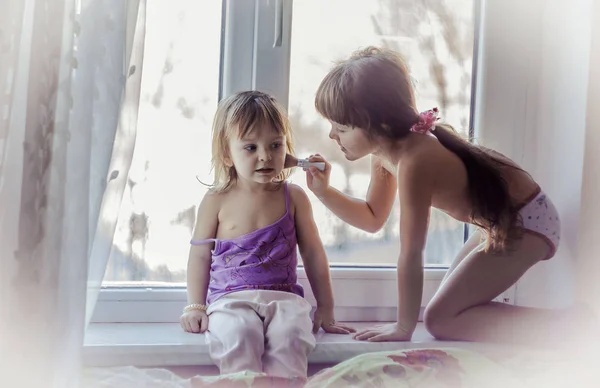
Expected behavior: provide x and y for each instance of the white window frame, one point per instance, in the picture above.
(361, 294)
(256, 55)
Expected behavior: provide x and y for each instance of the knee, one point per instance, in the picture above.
(237, 333)
(246, 334)
(437, 322)
(235, 346)
(292, 337)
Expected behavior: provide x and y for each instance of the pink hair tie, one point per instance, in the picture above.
(426, 121)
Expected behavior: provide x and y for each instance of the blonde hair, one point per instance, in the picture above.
(238, 115)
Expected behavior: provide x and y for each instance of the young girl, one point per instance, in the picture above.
(370, 103)
(242, 261)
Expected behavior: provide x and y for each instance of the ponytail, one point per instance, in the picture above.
(493, 210)
(372, 90)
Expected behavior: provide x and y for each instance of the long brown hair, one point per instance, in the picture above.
(372, 90)
(237, 115)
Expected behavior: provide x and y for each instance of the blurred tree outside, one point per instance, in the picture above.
(406, 26)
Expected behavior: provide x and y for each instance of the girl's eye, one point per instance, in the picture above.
(250, 148)
(276, 145)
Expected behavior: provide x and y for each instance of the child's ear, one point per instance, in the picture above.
(228, 162)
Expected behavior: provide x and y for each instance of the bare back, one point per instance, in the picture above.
(451, 194)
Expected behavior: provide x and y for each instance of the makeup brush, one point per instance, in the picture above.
(292, 161)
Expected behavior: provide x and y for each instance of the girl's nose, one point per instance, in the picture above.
(265, 156)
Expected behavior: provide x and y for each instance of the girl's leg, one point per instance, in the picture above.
(472, 242)
(235, 336)
(289, 337)
(462, 307)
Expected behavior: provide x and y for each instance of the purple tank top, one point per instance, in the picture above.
(265, 259)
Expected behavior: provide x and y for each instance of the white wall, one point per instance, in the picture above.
(531, 101)
(588, 260)
(556, 151)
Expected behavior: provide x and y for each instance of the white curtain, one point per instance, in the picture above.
(69, 96)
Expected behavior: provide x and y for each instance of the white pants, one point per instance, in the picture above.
(261, 331)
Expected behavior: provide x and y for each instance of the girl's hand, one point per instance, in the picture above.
(316, 180)
(195, 321)
(389, 332)
(324, 318)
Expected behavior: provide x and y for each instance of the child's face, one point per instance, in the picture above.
(259, 156)
(353, 142)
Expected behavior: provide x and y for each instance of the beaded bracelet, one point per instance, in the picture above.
(194, 306)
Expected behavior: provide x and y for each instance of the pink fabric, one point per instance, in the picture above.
(541, 217)
(426, 121)
(261, 331)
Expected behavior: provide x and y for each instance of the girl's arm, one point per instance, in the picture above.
(369, 215)
(315, 262)
(198, 268)
(416, 185)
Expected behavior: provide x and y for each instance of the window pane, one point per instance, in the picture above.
(436, 39)
(179, 96)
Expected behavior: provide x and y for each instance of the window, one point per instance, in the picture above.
(197, 52)
(436, 39)
(179, 95)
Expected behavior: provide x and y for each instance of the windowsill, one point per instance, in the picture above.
(167, 345)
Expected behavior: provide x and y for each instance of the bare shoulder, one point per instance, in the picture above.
(211, 203)
(433, 170)
(207, 217)
(298, 196)
(299, 201)
(214, 197)
(423, 162)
